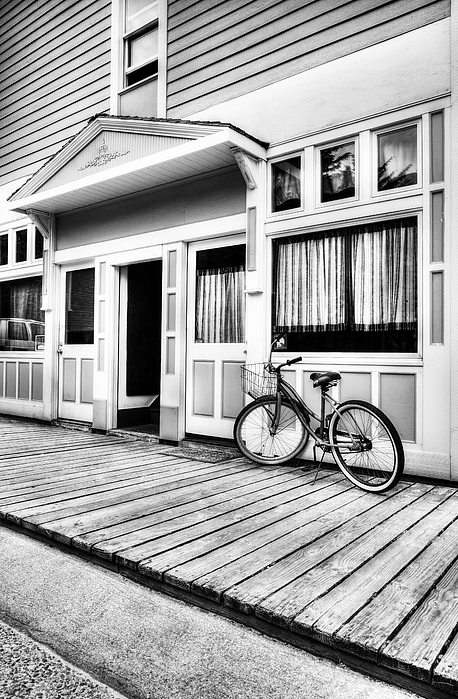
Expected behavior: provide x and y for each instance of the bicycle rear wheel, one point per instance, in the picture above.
(255, 439)
(370, 451)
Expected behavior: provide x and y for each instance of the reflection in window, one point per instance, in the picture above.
(21, 317)
(397, 158)
(79, 310)
(220, 295)
(4, 249)
(286, 184)
(38, 245)
(21, 245)
(338, 172)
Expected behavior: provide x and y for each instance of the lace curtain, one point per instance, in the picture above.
(358, 278)
(220, 305)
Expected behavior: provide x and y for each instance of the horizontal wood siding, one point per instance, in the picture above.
(221, 50)
(54, 76)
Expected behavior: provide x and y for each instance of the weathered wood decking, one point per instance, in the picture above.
(370, 579)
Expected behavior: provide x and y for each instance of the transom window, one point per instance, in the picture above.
(397, 158)
(351, 289)
(286, 184)
(337, 172)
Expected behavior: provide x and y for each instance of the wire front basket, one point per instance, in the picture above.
(258, 381)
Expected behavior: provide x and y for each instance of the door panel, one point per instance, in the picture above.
(216, 336)
(76, 346)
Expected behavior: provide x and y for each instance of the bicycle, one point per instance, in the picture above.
(276, 427)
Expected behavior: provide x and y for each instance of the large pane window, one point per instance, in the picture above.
(397, 158)
(21, 317)
(348, 290)
(220, 295)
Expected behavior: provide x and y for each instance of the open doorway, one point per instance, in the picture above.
(140, 345)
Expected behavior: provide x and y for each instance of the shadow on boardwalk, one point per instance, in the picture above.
(366, 579)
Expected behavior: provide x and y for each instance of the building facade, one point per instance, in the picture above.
(183, 180)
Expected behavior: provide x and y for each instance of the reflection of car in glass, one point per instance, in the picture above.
(21, 334)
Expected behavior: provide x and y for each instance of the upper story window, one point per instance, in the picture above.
(140, 41)
(337, 172)
(397, 158)
(286, 184)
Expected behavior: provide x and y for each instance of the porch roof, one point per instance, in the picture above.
(118, 156)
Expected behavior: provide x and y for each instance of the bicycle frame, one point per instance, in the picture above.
(304, 413)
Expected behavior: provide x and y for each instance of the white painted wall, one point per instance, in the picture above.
(407, 69)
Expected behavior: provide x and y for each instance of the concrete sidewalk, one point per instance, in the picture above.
(146, 645)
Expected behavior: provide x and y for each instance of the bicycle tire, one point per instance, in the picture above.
(376, 462)
(254, 439)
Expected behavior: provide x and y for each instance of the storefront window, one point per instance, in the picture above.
(348, 290)
(337, 172)
(286, 184)
(21, 320)
(397, 158)
(220, 295)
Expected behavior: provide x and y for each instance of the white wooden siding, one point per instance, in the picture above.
(68, 45)
(218, 51)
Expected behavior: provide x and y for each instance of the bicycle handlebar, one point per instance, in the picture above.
(294, 361)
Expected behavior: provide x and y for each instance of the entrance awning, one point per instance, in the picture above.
(119, 156)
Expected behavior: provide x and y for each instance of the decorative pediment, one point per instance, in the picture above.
(115, 156)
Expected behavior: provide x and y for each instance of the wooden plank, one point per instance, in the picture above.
(368, 630)
(55, 511)
(156, 558)
(164, 535)
(326, 615)
(76, 469)
(248, 595)
(288, 602)
(445, 675)
(219, 496)
(116, 520)
(418, 645)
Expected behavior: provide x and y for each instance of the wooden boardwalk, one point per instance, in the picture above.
(370, 580)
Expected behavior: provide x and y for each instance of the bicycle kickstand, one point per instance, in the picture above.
(317, 466)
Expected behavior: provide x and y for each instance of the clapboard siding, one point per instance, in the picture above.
(68, 45)
(217, 51)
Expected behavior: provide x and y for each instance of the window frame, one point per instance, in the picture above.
(391, 128)
(128, 36)
(270, 181)
(318, 174)
(359, 358)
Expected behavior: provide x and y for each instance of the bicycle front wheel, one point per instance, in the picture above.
(256, 438)
(369, 451)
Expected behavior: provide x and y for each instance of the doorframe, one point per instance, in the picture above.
(60, 289)
(236, 238)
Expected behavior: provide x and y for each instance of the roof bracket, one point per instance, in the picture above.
(246, 167)
(41, 220)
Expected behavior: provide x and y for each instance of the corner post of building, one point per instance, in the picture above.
(254, 173)
(173, 352)
(454, 240)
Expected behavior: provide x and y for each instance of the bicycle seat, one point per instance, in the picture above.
(324, 378)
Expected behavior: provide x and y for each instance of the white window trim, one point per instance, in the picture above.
(117, 58)
(300, 209)
(374, 161)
